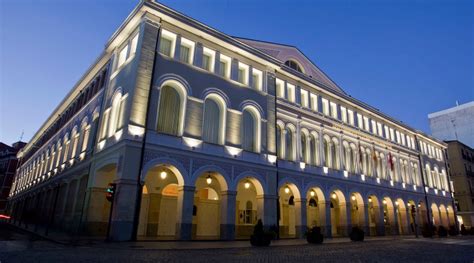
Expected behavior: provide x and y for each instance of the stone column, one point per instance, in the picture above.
(342, 156)
(325, 217)
(122, 221)
(346, 214)
(300, 218)
(379, 220)
(184, 222)
(266, 209)
(366, 213)
(320, 146)
(228, 203)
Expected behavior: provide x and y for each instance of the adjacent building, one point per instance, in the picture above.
(454, 124)
(461, 163)
(8, 165)
(204, 134)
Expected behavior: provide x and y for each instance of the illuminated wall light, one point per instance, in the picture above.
(302, 165)
(209, 179)
(191, 142)
(419, 205)
(233, 150)
(118, 135)
(63, 166)
(396, 203)
(247, 185)
(427, 189)
(163, 175)
(271, 158)
(325, 169)
(353, 197)
(444, 193)
(408, 204)
(346, 173)
(287, 189)
(378, 180)
(312, 193)
(370, 199)
(55, 170)
(436, 191)
(82, 155)
(136, 130)
(403, 185)
(414, 187)
(391, 182)
(362, 177)
(71, 162)
(333, 195)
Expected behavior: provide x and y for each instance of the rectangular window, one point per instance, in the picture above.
(351, 117)
(374, 126)
(387, 134)
(392, 135)
(224, 66)
(208, 59)
(314, 102)
(343, 114)
(122, 56)
(243, 74)
(397, 133)
(403, 138)
(121, 112)
(325, 103)
(366, 124)
(379, 128)
(257, 79)
(333, 110)
(290, 92)
(186, 51)
(133, 45)
(360, 124)
(304, 98)
(167, 43)
(105, 120)
(280, 88)
(408, 142)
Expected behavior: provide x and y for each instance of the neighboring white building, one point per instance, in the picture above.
(205, 133)
(454, 124)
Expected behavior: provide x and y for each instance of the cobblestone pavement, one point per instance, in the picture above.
(461, 249)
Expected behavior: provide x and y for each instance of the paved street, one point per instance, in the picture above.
(18, 246)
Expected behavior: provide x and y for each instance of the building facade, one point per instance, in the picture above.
(8, 165)
(454, 124)
(461, 164)
(204, 134)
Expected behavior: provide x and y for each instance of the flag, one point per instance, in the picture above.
(390, 161)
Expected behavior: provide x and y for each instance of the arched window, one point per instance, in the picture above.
(115, 114)
(294, 65)
(280, 144)
(214, 120)
(305, 152)
(251, 130)
(335, 154)
(169, 117)
(290, 149)
(427, 175)
(314, 142)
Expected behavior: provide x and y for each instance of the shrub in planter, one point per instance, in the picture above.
(464, 230)
(442, 232)
(427, 231)
(260, 237)
(357, 234)
(314, 236)
(453, 230)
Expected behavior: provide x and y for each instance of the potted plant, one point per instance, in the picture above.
(314, 236)
(442, 232)
(260, 237)
(357, 234)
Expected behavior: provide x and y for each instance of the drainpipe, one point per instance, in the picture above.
(420, 159)
(136, 218)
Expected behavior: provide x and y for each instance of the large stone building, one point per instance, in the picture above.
(8, 165)
(454, 124)
(205, 133)
(461, 164)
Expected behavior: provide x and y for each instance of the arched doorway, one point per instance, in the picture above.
(338, 214)
(288, 212)
(374, 214)
(357, 211)
(99, 207)
(159, 204)
(435, 215)
(450, 212)
(443, 216)
(401, 213)
(207, 205)
(389, 216)
(412, 218)
(249, 206)
(315, 208)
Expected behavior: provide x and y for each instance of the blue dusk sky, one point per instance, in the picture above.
(406, 58)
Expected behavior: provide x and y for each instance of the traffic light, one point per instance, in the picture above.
(110, 192)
